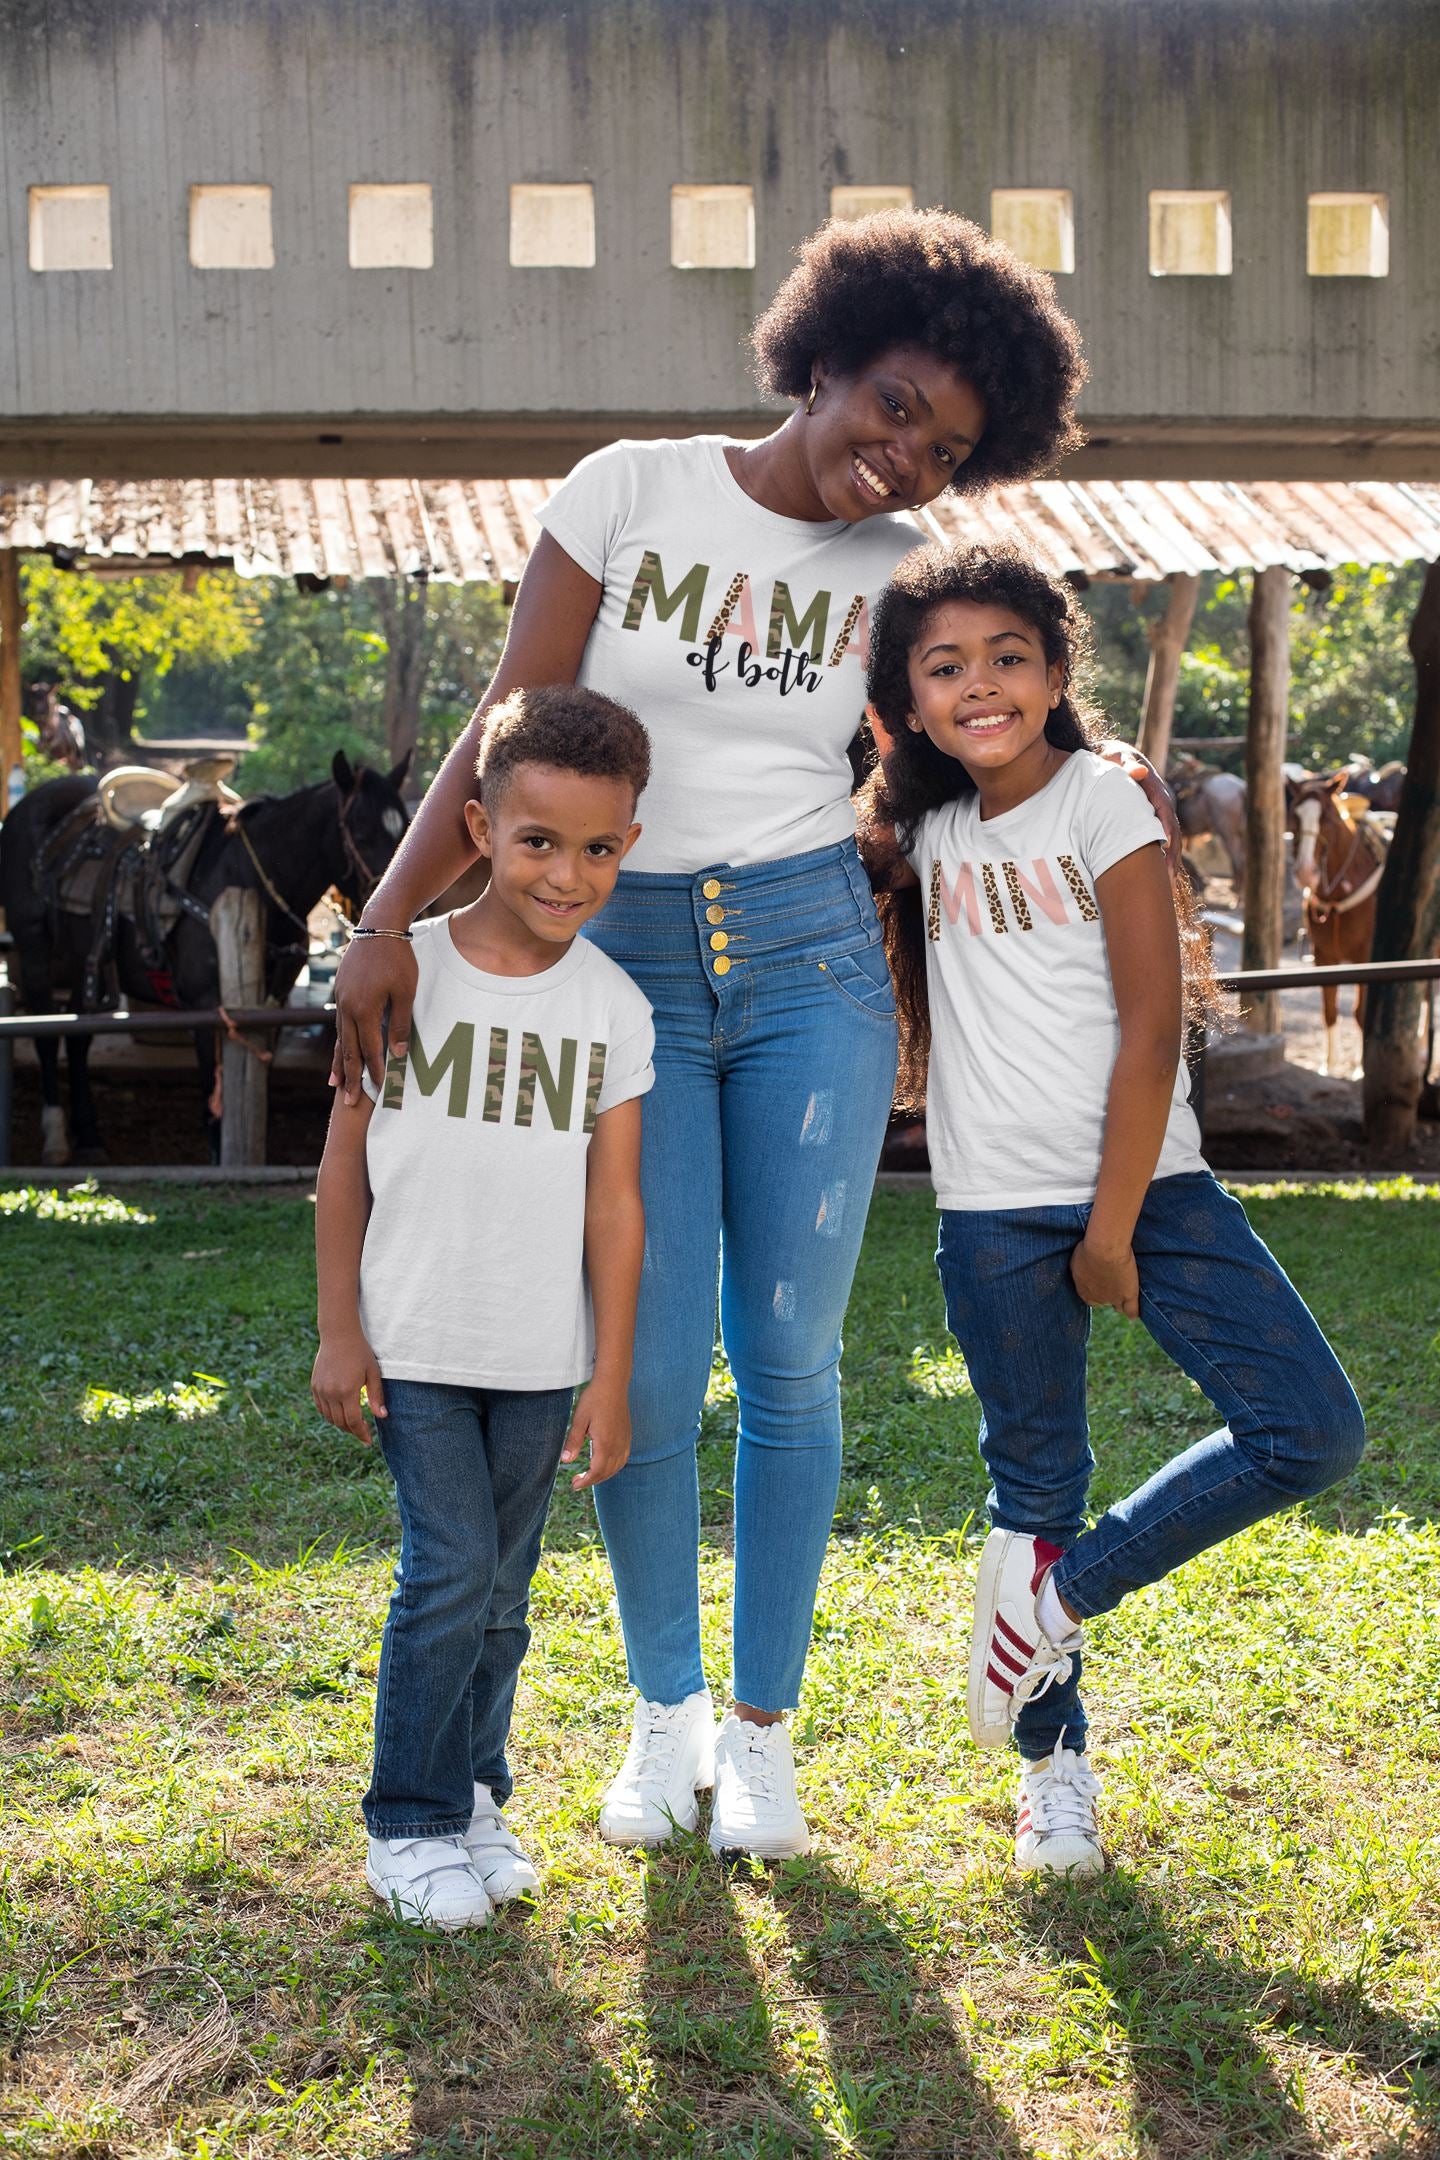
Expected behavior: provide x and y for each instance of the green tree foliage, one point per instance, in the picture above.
(107, 642)
(1352, 682)
(313, 680)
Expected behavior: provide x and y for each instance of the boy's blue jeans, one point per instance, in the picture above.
(474, 1469)
(773, 1080)
(1214, 1299)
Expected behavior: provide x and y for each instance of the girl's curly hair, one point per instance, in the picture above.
(931, 278)
(915, 777)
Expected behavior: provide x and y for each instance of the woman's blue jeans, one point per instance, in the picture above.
(474, 1469)
(774, 1071)
(1224, 1309)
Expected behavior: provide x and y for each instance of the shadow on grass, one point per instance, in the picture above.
(891, 2078)
(496, 2048)
(1196, 2024)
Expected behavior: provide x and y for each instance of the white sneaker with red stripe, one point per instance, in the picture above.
(1055, 1828)
(1012, 1659)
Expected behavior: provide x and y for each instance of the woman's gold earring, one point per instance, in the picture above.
(814, 393)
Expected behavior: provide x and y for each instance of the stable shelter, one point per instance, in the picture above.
(340, 242)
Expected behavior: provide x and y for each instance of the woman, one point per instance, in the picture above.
(722, 589)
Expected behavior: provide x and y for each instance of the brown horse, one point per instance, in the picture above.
(1339, 855)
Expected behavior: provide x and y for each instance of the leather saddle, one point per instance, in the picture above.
(127, 852)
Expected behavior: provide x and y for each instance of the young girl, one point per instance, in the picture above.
(1038, 962)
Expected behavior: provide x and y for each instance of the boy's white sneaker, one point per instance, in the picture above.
(1055, 1828)
(755, 1809)
(1012, 1659)
(428, 1882)
(671, 1757)
(496, 1854)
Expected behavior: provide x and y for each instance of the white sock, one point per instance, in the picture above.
(1051, 1614)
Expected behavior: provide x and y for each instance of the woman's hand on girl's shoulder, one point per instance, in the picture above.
(1156, 791)
(885, 866)
(375, 973)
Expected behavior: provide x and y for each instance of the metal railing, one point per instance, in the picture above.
(253, 1019)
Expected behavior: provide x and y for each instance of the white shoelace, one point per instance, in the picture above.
(654, 1741)
(1062, 1795)
(757, 1764)
(1050, 1667)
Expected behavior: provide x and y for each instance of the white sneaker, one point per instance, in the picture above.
(670, 1758)
(1012, 1659)
(1055, 1828)
(495, 1852)
(428, 1882)
(755, 1809)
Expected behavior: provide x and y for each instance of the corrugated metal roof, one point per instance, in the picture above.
(461, 530)
(1154, 528)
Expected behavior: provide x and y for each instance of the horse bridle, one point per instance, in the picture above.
(1358, 846)
(368, 878)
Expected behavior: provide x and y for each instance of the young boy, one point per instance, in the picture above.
(479, 1236)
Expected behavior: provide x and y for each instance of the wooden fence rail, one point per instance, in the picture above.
(240, 1118)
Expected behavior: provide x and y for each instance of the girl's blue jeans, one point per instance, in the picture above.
(1222, 1307)
(474, 1469)
(773, 1082)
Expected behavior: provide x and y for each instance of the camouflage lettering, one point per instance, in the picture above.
(457, 1056)
(805, 634)
(650, 586)
(495, 1075)
(559, 1091)
(393, 1096)
(593, 1085)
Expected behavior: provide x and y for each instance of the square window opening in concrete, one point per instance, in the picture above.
(552, 225)
(1348, 236)
(712, 227)
(70, 228)
(230, 227)
(392, 225)
(1189, 232)
(1038, 223)
(858, 202)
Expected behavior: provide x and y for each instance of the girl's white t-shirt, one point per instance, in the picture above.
(739, 637)
(1022, 1010)
(473, 1269)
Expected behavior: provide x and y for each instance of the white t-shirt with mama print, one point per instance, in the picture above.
(740, 638)
(1024, 1027)
(473, 1269)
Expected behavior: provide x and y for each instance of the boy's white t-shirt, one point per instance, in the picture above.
(473, 1269)
(1023, 1023)
(739, 637)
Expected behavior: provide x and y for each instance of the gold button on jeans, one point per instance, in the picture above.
(711, 888)
(714, 914)
(722, 965)
(718, 941)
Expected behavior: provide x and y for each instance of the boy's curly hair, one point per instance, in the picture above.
(915, 777)
(931, 278)
(563, 726)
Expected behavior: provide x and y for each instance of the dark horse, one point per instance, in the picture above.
(290, 848)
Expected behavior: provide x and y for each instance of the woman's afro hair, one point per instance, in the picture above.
(930, 278)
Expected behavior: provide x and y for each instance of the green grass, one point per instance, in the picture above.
(195, 1572)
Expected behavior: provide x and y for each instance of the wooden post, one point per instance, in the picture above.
(1407, 905)
(237, 923)
(1167, 642)
(1265, 732)
(12, 622)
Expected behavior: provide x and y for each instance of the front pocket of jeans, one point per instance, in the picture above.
(863, 980)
